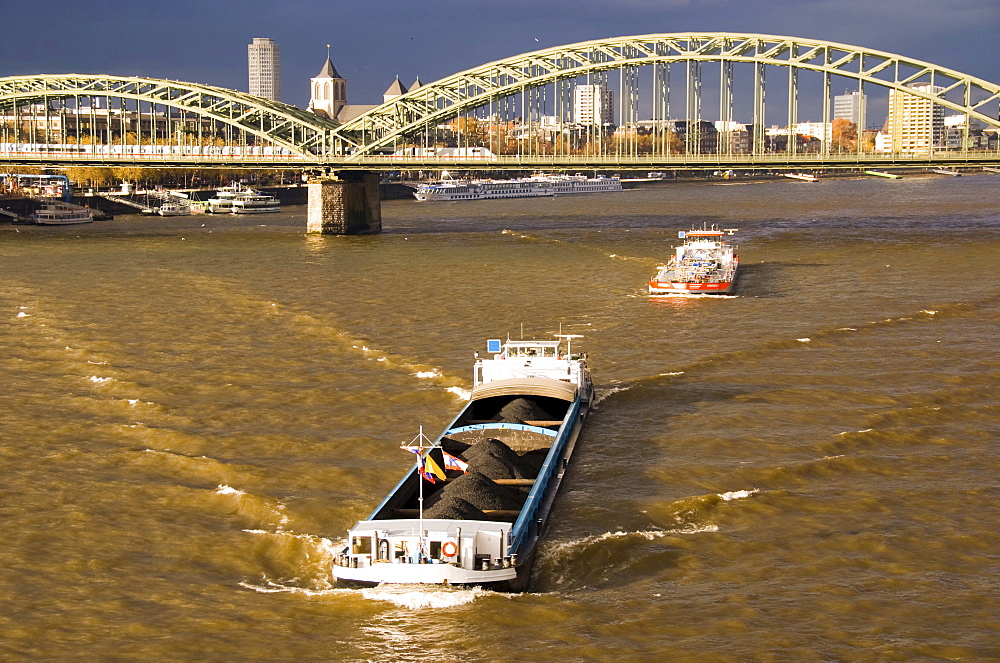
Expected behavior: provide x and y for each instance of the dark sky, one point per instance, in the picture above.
(373, 41)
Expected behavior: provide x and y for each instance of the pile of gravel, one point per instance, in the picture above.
(454, 508)
(521, 410)
(483, 493)
(496, 460)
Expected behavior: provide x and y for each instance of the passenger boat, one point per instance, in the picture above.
(252, 202)
(222, 201)
(237, 199)
(472, 509)
(61, 214)
(172, 209)
(704, 263)
(524, 187)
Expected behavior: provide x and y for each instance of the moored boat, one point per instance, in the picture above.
(222, 201)
(61, 214)
(805, 177)
(251, 202)
(172, 209)
(472, 509)
(524, 187)
(703, 263)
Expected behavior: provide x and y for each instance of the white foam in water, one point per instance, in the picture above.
(929, 312)
(464, 394)
(601, 394)
(22, 314)
(94, 378)
(803, 340)
(428, 374)
(227, 490)
(672, 374)
(419, 597)
(693, 295)
(277, 588)
(738, 494)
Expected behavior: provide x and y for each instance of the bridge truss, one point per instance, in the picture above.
(662, 100)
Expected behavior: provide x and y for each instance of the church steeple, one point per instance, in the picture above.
(397, 89)
(329, 90)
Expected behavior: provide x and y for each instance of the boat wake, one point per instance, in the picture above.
(601, 394)
(689, 295)
(296, 563)
(422, 597)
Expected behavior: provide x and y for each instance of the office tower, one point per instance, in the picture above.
(264, 64)
(593, 104)
(916, 124)
(848, 107)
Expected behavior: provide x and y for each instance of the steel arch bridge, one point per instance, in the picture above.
(514, 113)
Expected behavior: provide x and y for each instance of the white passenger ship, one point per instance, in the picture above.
(474, 506)
(236, 199)
(61, 214)
(525, 187)
(255, 203)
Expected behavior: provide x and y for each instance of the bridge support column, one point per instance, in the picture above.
(347, 205)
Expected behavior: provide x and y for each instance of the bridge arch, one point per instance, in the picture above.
(156, 103)
(392, 122)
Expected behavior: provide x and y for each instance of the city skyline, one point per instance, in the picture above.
(370, 51)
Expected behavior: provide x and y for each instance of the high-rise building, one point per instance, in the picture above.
(916, 124)
(593, 105)
(264, 63)
(848, 107)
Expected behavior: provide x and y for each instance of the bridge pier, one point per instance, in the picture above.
(345, 205)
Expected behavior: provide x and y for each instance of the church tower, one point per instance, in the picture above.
(329, 90)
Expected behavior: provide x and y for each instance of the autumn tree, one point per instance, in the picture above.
(844, 135)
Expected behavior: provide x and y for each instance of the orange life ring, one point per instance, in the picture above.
(449, 549)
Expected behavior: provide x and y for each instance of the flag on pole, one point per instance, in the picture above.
(453, 463)
(421, 469)
(432, 468)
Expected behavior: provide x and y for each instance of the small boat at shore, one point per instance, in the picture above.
(888, 176)
(703, 263)
(805, 177)
(473, 508)
(61, 214)
(172, 209)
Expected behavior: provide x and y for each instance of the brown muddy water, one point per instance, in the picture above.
(195, 409)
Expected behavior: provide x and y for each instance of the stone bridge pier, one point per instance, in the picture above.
(345, 203)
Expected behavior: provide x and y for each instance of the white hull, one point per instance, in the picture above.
(254, 210)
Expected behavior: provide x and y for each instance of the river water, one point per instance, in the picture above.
(195, 409)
